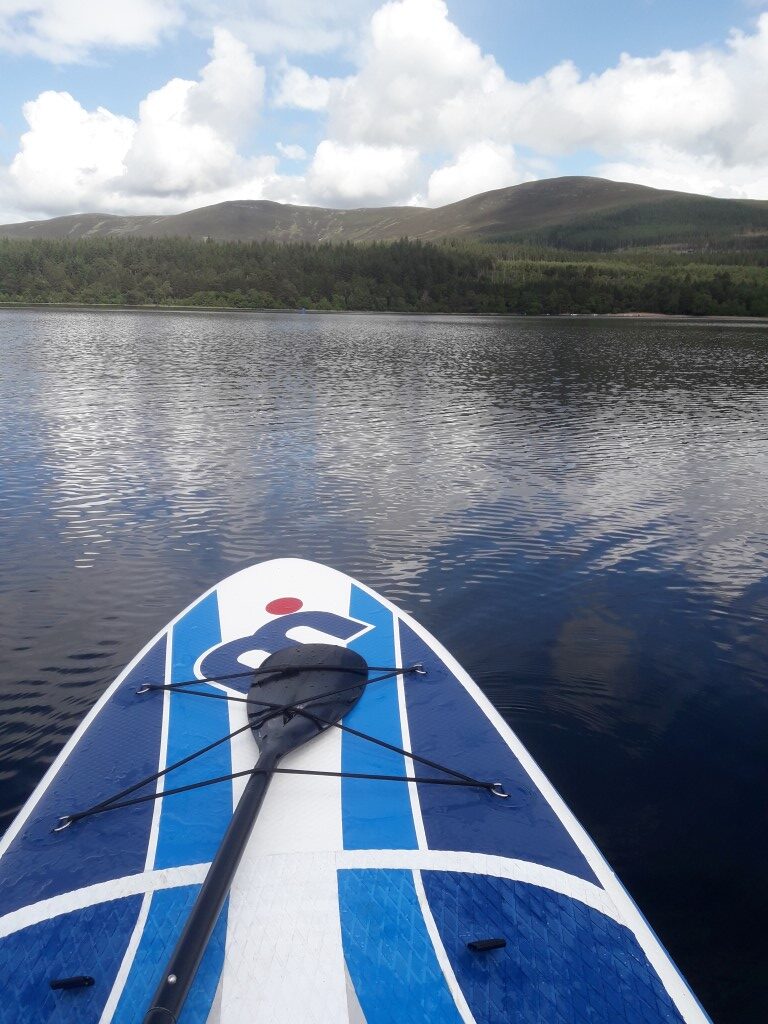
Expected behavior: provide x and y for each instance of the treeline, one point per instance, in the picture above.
(405, 276)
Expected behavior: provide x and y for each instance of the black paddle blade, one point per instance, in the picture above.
(313, 687)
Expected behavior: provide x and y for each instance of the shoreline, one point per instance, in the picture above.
(148, 308)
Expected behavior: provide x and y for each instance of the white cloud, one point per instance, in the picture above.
(417, 67)
(291, 150)
(423, 83)
(67, 30)
(231, 87)
(298, 89)
(181, 146)
(288, 26)
(68, 154)
(480, 167)
(343, 173)
(425, 113)
(185, 139)
(665, 167)
(70, 30)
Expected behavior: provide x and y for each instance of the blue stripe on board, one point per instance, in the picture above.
(564, 963)
(375, 815)
(120, 746)
(448, 726)
(389, 954)
(167, 914)
(91, 941)
(192, 824)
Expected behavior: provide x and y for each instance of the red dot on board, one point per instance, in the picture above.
(284, 605)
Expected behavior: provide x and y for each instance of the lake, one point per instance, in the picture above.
(577, 508)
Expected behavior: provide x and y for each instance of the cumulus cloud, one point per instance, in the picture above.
(665, 167)
(418, 71)
(480, 167)
(423, 113)
(183, 143)
(423, 81)
(344, 173)
(422, 84)
(296, 88)
(63, 31)
(696, 121)
(69, 157)
(186, 135)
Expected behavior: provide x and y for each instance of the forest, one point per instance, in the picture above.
(402, 276)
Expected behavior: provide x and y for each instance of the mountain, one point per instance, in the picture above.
(571, 212)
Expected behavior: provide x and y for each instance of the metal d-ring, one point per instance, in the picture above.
(497, 789)
(64, 822)
(419, 669)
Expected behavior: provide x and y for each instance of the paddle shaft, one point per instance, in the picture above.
(169, 997)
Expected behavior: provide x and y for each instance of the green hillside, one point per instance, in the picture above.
(694, 223)
(575, 213)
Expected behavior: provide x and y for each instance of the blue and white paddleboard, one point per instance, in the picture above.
(356, 899)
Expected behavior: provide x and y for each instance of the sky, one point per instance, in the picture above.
(159, 106)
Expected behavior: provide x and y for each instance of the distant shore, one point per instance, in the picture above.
(146, 308)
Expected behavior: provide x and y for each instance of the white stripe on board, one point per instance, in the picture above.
(442, 957)
(405, 731)
(101, 892)
(127, 962)
(162, 759)
(485, 864)
(280, 862)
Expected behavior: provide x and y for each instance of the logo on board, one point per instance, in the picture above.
(273, 635)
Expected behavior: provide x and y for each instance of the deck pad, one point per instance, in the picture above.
(356, 898)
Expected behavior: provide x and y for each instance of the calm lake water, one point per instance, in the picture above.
(578, 509)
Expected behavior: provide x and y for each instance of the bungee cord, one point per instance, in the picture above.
(272, 710)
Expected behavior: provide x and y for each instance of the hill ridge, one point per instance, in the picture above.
(571, 211)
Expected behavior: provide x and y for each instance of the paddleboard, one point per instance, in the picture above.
(357, 900)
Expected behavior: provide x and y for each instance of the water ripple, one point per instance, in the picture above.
(578, 509)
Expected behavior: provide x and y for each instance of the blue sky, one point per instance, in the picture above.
(405, 101)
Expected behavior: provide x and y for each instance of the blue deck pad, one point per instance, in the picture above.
(192, 824)
(564, 963)
(389, 954)
(91, 942)
(119, 747)
(167, 914)
(447, 725)
(375, 815)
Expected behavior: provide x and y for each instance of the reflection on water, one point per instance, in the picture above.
(576, 508)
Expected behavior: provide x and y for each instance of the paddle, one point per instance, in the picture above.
(306, 676)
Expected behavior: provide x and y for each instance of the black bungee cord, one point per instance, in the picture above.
(273, 710)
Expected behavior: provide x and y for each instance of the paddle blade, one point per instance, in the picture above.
(322, 680)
